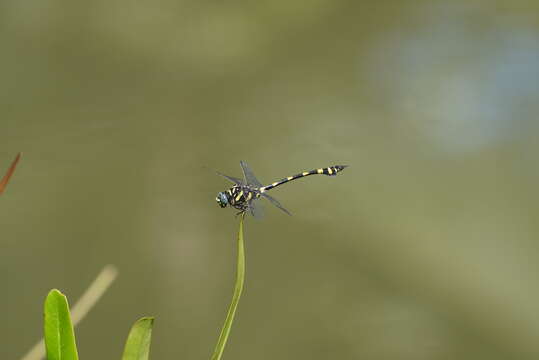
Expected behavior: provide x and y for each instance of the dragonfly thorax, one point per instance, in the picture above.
(238, 197)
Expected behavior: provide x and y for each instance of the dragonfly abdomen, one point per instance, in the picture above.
(330, 171)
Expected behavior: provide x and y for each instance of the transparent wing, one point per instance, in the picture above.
(230, 178)
(275, 202)
(256, 209)
(250, 178)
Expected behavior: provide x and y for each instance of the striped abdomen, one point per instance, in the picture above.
(330, 171)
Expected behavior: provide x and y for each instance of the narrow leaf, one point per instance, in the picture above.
(59, 335)
(240, 275)
(137, 346)
(10, 171)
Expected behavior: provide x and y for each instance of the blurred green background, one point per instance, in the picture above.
(424, 248)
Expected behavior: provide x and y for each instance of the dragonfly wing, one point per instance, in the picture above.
(256, 210)
(275, 202)
(230, 178)
(250, 177)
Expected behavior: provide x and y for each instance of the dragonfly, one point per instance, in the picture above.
(243, 195)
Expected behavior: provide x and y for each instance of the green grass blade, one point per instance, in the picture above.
(86, 302)
(137, 346)
(59, 335)
(240, 274)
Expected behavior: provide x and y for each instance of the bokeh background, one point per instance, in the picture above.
(424, 248)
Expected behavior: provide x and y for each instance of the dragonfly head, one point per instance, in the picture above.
(222, 199)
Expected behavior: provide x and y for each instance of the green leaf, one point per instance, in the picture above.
(240, 275)
(137, 346)
(59, 335)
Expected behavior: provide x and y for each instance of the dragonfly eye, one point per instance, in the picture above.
(222, 199)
